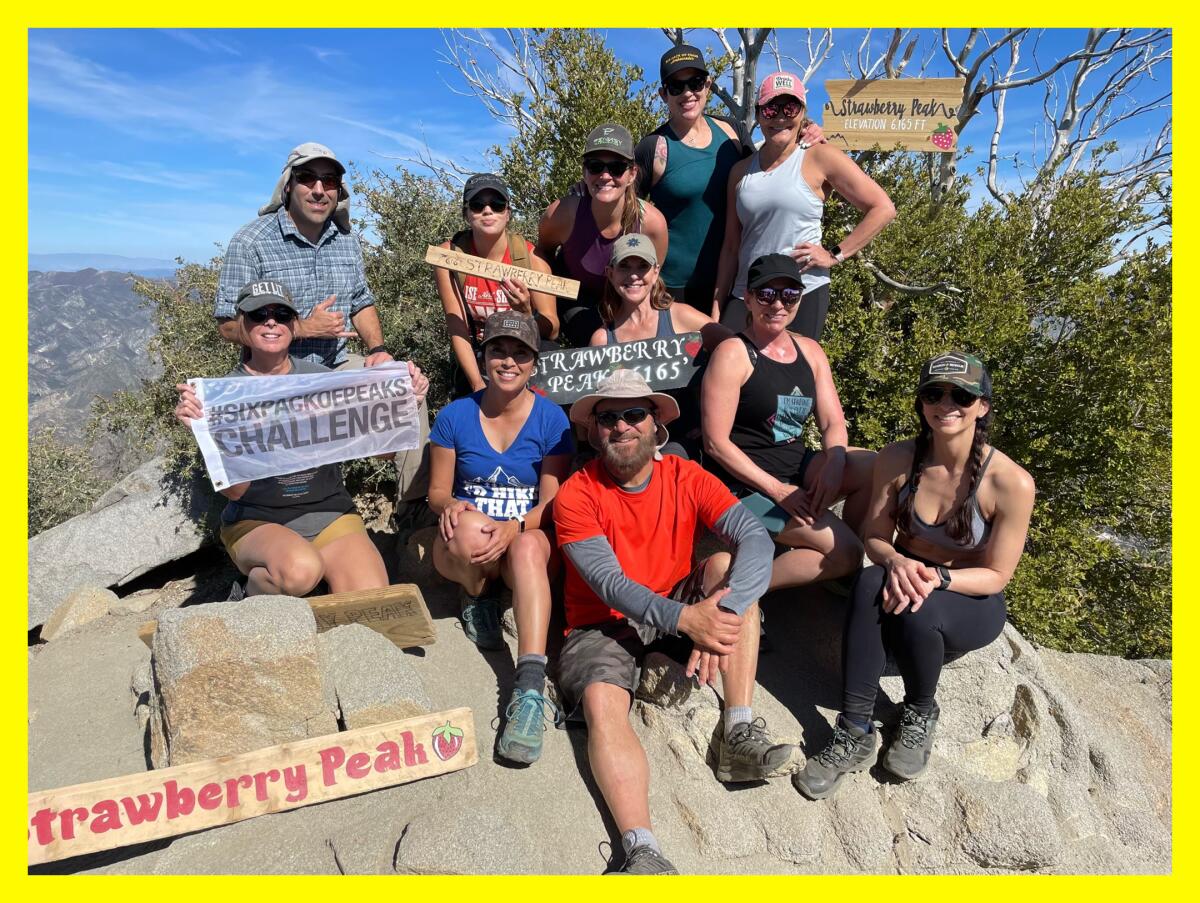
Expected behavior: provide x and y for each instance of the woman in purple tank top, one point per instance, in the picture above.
(577, 232)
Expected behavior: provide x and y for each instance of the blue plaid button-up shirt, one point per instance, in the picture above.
(271, 247)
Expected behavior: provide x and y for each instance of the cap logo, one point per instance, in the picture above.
(267, 288)
(633, 242)
(783, 81)
(511, 324)
(948, 365)
(608, 131)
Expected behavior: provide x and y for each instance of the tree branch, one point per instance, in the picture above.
(907, 289)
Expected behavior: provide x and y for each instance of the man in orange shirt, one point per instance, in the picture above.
(626, 524)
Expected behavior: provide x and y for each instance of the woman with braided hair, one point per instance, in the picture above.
(945, 528)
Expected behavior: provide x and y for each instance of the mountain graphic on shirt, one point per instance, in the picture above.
(498, 478)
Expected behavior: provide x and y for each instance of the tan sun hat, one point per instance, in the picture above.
(627, 384)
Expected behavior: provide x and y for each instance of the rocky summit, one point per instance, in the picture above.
(1044, 762)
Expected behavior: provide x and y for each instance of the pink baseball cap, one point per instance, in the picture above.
(778, 83)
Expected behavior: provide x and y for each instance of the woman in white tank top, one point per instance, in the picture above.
(776, 198)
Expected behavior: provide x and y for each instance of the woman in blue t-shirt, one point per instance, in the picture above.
(497, 458)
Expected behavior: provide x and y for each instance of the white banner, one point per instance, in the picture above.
(265, 426)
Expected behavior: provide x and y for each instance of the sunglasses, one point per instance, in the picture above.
(308, 179)
(960, 396)
(787, 109)
(789, 297)
(615, 168)
(695, 84)
(632, 416)
(498, 205)
(278, 314)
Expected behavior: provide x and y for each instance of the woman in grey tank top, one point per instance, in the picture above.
(775, 201)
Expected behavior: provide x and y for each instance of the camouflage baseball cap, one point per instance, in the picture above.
(513, 325)
(958, 369)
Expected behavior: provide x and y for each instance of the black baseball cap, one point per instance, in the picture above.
(514, 325)
(612, 137)
(958, 369)
(682, 56)
(773, 266)
(255, 295)
(485, 181)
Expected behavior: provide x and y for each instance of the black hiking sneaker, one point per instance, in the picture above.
(645, 860)
(480, 617)
(749, 755)
(851, 749)
(908, 756)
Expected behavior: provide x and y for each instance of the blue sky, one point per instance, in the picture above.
(150, 143)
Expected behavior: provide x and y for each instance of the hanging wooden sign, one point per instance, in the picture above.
(918, 114)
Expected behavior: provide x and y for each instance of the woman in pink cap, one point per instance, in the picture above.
(775, 202)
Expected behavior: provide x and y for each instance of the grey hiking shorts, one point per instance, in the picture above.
(613, 652)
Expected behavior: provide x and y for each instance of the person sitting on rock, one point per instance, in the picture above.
(945, 527)
(497, 458)
(289, 532)
(626, 523)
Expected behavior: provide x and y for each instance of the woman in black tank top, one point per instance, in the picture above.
(760, 390)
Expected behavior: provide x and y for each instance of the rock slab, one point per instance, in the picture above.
(87, 604)
(372, 679)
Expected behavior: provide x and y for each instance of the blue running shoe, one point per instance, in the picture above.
(521, 739)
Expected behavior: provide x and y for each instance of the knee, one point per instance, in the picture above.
(528, 551)
(468, 535)
(298, 573)
(606, 708)
(868, 586)
(847, 554)
(716, 570)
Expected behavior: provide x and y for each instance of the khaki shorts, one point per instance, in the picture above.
(613, 652)
(234, 533)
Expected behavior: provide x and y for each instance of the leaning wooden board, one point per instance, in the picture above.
(116, 812)
(495, 270)
(397, 611)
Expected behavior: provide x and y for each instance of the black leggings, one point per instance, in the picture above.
(947, 623)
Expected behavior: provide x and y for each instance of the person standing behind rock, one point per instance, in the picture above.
(937, 585)
(683, 167)
(775, 202)
(577, 232)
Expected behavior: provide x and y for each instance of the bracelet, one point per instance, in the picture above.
(376, 349)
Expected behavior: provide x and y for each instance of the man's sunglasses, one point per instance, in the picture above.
(308, 179)
(960, 396)
(695, 84)
(498, 205)
(787, 109)
(615, 168)
(789, 297)
(278, 314)
(632, 416)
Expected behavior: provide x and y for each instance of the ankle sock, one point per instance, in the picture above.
(735, 715)
(639, 837)
(863, 724)
(531, 672)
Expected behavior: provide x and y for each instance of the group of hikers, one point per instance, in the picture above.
(693, 229)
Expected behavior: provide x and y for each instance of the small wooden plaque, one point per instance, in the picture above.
(919, 114)
(494, 270)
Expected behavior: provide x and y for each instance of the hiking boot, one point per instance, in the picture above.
(521, 739)
(645, 860)
(749, 755)
(851, 749)
(908, 756)
(481, 621)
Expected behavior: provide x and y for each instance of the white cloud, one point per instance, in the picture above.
(202, 40)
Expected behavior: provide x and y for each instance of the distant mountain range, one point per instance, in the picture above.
(151, 267)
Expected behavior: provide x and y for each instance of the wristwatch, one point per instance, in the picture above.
(836, 251)
(520, 519)
(944, 573)
(376, 349)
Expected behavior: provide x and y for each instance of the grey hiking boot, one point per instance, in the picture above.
(908, 756)
(645, 860)
(481, 621)
(851, 749)
(748, 754)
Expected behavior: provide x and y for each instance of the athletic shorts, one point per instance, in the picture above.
(761, 503)
(613, 652)
(233, 534)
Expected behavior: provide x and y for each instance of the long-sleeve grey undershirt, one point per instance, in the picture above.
(749, 576)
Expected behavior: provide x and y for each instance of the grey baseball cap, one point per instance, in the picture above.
(633, 245)
(309, 151)
(612, 137)
(255, 295)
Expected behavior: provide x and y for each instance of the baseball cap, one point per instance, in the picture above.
(778, 83)
(958, 369)
(773, 266)
(484, 181)
(612, 137)
(509, 323)
(255, 295)
(683, 56)
(309, 151)
(633, 245)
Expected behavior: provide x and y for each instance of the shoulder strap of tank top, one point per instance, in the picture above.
(751, 351)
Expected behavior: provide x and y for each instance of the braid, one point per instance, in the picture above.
(904, 513)
(959, 521)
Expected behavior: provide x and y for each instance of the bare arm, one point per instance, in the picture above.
(863, 193)
(727, 266)
(685, 318)
(555, 226)
(655, 226)
(545, 307)
(456, 326)
(366, 324)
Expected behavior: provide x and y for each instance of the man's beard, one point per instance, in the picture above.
(624, 461)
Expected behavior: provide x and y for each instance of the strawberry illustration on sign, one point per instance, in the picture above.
(942, 137)
(692, 348)
(447, 740)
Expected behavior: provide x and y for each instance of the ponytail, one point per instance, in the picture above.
(631, 212)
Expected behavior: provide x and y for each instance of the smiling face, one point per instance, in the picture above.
(781, 128)
(272, 336)
(312, 204)
(508, 363)
(604, 186)
(625, 449)
(947, 417)
(775, 317)
(632, 278)
(689, 105)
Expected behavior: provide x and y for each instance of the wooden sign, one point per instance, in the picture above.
(397, 611)
(136, 808)
(495, 270)
(568, 375)
(916, 113)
